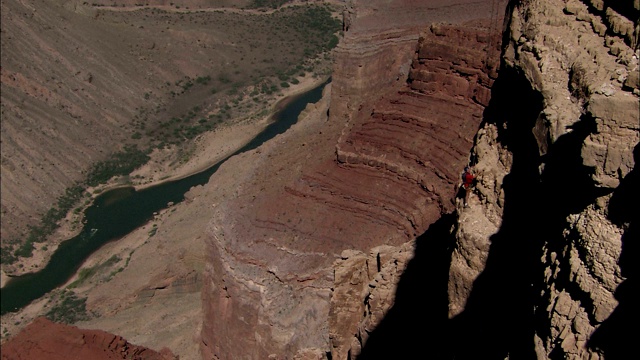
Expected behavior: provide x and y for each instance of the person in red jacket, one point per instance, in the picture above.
(468, 177)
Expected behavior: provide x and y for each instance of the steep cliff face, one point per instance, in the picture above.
(327, 207)
(544, 248)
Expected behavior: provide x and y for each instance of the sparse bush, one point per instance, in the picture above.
(204, 80)
(68, 308)
(7, 255)
(120, 163)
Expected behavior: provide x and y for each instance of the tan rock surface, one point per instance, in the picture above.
(558, 147)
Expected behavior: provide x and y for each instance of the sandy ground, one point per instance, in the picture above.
(149, 292)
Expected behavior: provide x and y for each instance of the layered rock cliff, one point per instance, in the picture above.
(327, 206)
(326, 264)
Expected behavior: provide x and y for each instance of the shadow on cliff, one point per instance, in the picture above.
(547, 182)
(541, 190)
(498, 319)
(415, 325)
(615, 337)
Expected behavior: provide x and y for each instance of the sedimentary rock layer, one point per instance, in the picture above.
(396, 159)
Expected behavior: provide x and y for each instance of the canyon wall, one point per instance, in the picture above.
(326, 208)
(536, 267)
(344, 237)
(545, 248)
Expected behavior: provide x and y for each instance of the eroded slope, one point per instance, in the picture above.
(379, 178)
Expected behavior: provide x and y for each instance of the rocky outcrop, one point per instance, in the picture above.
(543, 251)
(43, 339)
(364, 290)
(305, 222)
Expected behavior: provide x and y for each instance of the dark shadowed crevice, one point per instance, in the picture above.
(498, 320)
(505, 309)
(615, 337)
(415, 326)
(567, 188)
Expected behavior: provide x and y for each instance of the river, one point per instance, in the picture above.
(117, 212)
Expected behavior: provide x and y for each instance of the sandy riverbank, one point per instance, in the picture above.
(207, 150)
(150, 295)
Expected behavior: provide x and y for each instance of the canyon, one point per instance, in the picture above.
(346, 238)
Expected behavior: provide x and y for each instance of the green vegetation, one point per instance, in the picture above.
(48, 223)
(178, 129)
(204, 80)
(7, 254)
(153, 230)
(273, 4)
(68, 308)
(120, 163)
(89, 272)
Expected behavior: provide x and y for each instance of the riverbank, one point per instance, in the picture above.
(151, 277)
(164, 165)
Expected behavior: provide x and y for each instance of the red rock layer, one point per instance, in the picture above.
(43, 339)
(415, 141)
(393, 173)
(398, 165)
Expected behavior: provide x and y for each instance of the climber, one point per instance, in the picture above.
(468, 177)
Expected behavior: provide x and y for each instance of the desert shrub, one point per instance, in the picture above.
(7, 255)
(187, 85)
(224, 79)
(273, 4)
(24, 250)
(120, 163)
(87, 273)
(68, 308)
(204, 80)
(333, 42)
